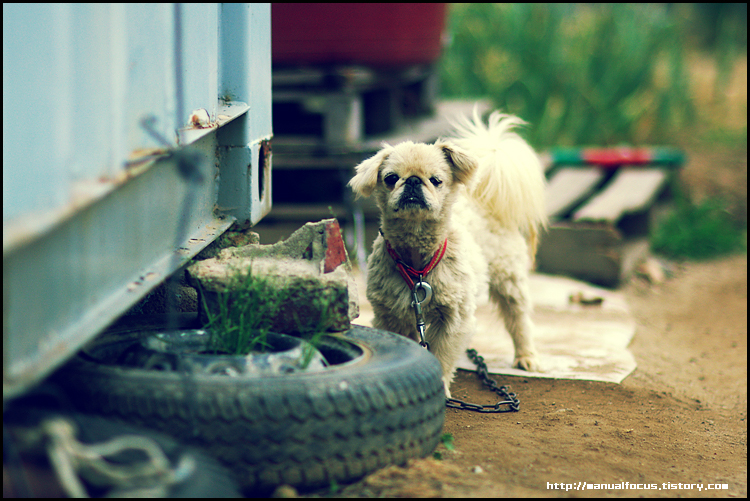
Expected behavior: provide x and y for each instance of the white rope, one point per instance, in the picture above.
(73, 460)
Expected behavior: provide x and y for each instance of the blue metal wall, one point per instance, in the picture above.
(92, 202)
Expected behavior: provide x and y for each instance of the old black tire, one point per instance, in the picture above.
(304, 429)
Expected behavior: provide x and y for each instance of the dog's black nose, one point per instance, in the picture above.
(412, 196)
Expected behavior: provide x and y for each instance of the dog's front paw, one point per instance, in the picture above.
(446, 386)
(527, 362)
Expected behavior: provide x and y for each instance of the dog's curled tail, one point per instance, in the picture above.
(509, 182)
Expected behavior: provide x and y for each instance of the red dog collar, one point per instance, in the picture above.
(410, 273)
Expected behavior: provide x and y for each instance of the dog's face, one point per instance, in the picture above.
(414, 181)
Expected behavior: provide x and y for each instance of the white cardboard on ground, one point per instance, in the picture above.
(574, 341)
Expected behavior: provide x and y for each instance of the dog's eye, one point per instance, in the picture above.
(391, 180)
(435, 181)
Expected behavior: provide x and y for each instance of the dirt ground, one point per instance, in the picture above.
(678, 423)
(680, 418)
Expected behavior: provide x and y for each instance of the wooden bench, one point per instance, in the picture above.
(599, 220)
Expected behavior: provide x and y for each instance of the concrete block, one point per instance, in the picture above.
(311, 266)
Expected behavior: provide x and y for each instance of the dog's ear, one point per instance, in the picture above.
(364, 182)
(463, 165)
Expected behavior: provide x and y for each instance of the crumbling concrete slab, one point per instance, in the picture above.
(312, 264)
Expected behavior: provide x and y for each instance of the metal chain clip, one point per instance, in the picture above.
(417, 305)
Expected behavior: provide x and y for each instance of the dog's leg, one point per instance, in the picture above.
(386, 321)
(512, 296)
(448, 330)
(446, 353)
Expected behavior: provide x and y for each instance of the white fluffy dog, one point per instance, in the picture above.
(459, 218)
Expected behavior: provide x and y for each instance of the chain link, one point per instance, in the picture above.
(509, 402)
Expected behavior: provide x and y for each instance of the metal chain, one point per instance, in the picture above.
(509, 402)
(508, 399)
